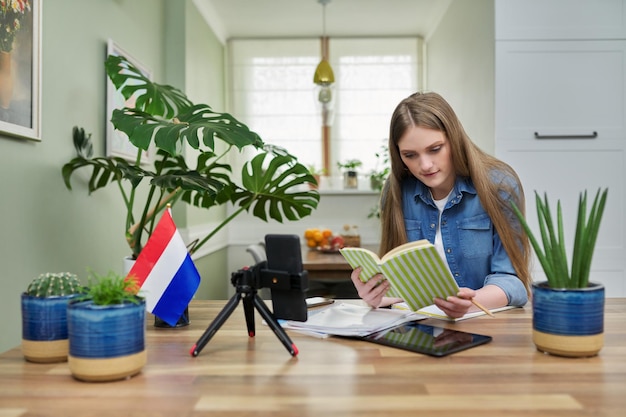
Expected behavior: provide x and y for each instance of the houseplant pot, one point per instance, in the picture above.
(568, 321)
(106, 330)
(44, 316)
(568, 309)
(350, 174)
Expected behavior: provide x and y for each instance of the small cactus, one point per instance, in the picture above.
(54, 284)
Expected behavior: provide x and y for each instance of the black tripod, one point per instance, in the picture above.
(245, 281)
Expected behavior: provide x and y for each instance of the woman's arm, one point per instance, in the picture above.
(490, 296)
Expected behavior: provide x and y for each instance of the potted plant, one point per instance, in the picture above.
(163, 117)
(106, 330)
(568, 309)
(44, 316)
(378, 176)
(381, 170)
(350, 174)
(317, 174)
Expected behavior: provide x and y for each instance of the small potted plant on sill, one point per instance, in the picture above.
(378, 176)
(164, 118)
(317, 174)
(106, 330)
(381, 170)
(350, 173)
(44, 316)
(568, 309)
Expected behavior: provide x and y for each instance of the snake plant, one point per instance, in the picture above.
(273, 183)
(551, 251)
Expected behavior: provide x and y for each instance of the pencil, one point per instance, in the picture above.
(483, 308)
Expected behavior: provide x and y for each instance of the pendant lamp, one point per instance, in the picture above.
(324, 76)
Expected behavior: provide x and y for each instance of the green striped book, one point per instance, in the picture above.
(415, 270)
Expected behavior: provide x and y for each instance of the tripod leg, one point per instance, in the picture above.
(248, 309)
(271, 321)
(215, 325)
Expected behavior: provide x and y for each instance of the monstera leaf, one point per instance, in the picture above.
(163, 118)
(152, 98)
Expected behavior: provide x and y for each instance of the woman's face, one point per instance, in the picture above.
(426, 153)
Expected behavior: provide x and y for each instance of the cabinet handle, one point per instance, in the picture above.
(591, 136)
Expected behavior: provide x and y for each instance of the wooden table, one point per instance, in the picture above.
(239, 376)
(327, 266)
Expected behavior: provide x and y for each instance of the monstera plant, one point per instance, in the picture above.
(272, 184)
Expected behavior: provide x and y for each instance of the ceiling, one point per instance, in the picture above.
(304, 18)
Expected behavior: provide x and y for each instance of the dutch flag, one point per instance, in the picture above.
(165, 273)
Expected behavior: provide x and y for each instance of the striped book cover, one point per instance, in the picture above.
(415, 270)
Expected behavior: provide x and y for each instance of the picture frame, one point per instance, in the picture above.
(20, 70)
(117, 143)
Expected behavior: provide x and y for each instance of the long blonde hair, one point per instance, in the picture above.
(431, 111)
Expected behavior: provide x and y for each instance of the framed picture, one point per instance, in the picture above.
(20, 68)
(117, 141)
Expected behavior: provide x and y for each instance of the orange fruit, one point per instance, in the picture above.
(318, 236)
(308, 233)
(311, 243)
(327, 233)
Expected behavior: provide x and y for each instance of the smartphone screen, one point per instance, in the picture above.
(429, 340)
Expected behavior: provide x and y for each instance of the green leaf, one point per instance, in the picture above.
(150, 97)
(552, 255)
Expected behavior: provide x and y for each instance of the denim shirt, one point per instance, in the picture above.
(472, 246)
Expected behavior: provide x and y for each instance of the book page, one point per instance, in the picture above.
(435, 312)
(406, 246)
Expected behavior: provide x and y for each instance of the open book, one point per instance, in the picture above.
(415, 270)
(435, 312)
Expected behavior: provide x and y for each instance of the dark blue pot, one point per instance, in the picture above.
(44, 328)
(105, 331)
(568, 322)
(44, 319)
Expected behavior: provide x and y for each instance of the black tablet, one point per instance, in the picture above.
(430, 340)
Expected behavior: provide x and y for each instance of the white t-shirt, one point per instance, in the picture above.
(441, 204)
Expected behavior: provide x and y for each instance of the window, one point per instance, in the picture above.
(272, 91)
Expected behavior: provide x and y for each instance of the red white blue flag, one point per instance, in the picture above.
(165, 273)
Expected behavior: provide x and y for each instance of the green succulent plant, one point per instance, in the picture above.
(53, 284)
(551, 251)
(111, 289)
(164, 118)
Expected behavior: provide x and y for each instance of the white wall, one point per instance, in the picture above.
(461, 66)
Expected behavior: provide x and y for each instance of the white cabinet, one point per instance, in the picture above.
(561, 88)
(561, 123)
(560, 19)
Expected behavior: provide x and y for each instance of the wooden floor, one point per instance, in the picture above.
(239, 376)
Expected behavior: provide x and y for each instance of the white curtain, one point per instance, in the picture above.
(272, 91)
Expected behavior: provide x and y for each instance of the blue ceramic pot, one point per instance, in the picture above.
(568, 321)
(44, 328)
(106, 342)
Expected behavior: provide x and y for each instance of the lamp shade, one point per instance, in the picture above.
(323, 73)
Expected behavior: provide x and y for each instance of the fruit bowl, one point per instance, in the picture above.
(323, 240)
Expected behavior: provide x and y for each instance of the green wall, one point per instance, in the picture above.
(45, 227)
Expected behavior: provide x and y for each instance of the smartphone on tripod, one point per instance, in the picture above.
(284, 254)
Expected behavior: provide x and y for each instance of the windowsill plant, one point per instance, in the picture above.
(350, 174)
